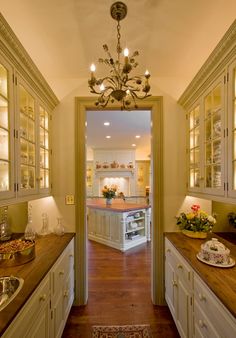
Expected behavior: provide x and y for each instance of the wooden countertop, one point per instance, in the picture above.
(47, 250)
(222, 281)
(116, 206)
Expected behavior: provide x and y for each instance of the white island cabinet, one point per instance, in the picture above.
(121, 225)
(45, 313)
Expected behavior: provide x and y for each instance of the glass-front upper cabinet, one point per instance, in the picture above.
(6, 132)
(44, 162)
(27, 141)
(232, 130)
(214, 139)
(194, 148)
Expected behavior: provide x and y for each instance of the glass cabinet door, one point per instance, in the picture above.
(194, 148)
(6, 136)
(44, 163)
(232, 130)
(213, 140)
(27, 141)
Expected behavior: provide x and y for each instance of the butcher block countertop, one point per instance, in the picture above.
(116, 206)
(222, 281)
(47, 250)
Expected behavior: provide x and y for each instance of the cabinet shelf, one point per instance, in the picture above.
(135, 229)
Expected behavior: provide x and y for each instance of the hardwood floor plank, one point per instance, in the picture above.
(119, 294)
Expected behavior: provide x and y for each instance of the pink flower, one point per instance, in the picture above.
(195, 207)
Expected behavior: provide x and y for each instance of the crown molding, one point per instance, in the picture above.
(18, 56)
(213, 66)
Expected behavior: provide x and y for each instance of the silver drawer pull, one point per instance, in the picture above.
(61, 273)
(202, 323)
(179, 266)
(201, 297)
(42, 297)
(71, 255)
(168, 250)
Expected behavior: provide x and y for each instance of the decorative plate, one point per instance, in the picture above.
(230, 265)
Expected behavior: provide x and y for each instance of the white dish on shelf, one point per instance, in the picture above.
(229, 265)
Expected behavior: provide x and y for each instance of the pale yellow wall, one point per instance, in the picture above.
(222, 210)
(17, 217)
(63, 159)
(64, 155)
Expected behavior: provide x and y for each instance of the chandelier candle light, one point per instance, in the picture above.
(118, 85)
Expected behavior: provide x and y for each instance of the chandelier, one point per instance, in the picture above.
(119, 85)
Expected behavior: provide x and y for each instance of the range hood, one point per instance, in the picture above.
(114, 172)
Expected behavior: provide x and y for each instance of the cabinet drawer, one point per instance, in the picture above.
(224, 322)
(62, 268)
(181, 267)
(203, 326)
(23, 322)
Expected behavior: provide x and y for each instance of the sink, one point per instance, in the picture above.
(9, 288)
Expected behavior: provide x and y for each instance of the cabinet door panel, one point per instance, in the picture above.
(26, 104)
(7, 178)
(232, 130)
(214, 165)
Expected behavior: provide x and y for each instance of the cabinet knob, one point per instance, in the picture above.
(174, 283)
(168, 250)
(66, 293)
(61, 273)
(39, 179)
(202, 323)
(71, 255)
(42, 297)
(179, 266)
(201, 297)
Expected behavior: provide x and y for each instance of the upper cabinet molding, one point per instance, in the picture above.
(217, 61)
(16, 53)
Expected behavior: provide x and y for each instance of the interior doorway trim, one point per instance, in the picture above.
(155, 105)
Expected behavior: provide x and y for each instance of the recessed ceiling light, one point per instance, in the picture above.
(106, 123)
(137, 136)
(133, 145)
(108, 136)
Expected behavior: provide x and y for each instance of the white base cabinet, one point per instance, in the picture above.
(196, 310)
(178, 290)
(45, 313)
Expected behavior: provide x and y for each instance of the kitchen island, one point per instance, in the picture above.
(120, 225)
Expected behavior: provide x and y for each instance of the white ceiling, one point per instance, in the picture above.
(174, 37)
(123, 129)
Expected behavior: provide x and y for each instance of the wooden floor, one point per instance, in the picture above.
(119, 293)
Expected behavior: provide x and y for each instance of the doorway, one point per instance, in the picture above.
(153, 104)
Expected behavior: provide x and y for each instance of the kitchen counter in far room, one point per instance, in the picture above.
(116, 206)
(221, 281)
(47, 250)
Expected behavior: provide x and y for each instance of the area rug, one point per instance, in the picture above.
(123, 331)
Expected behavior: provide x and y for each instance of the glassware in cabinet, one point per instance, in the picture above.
(5, 160)
(44, 162)
(213, 138)
(194, 147)
(27, 140)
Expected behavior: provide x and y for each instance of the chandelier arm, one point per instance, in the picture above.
(112, 65)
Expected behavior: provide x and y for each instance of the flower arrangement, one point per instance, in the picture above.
(197, 220)
(109, 192)
(232, 218)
